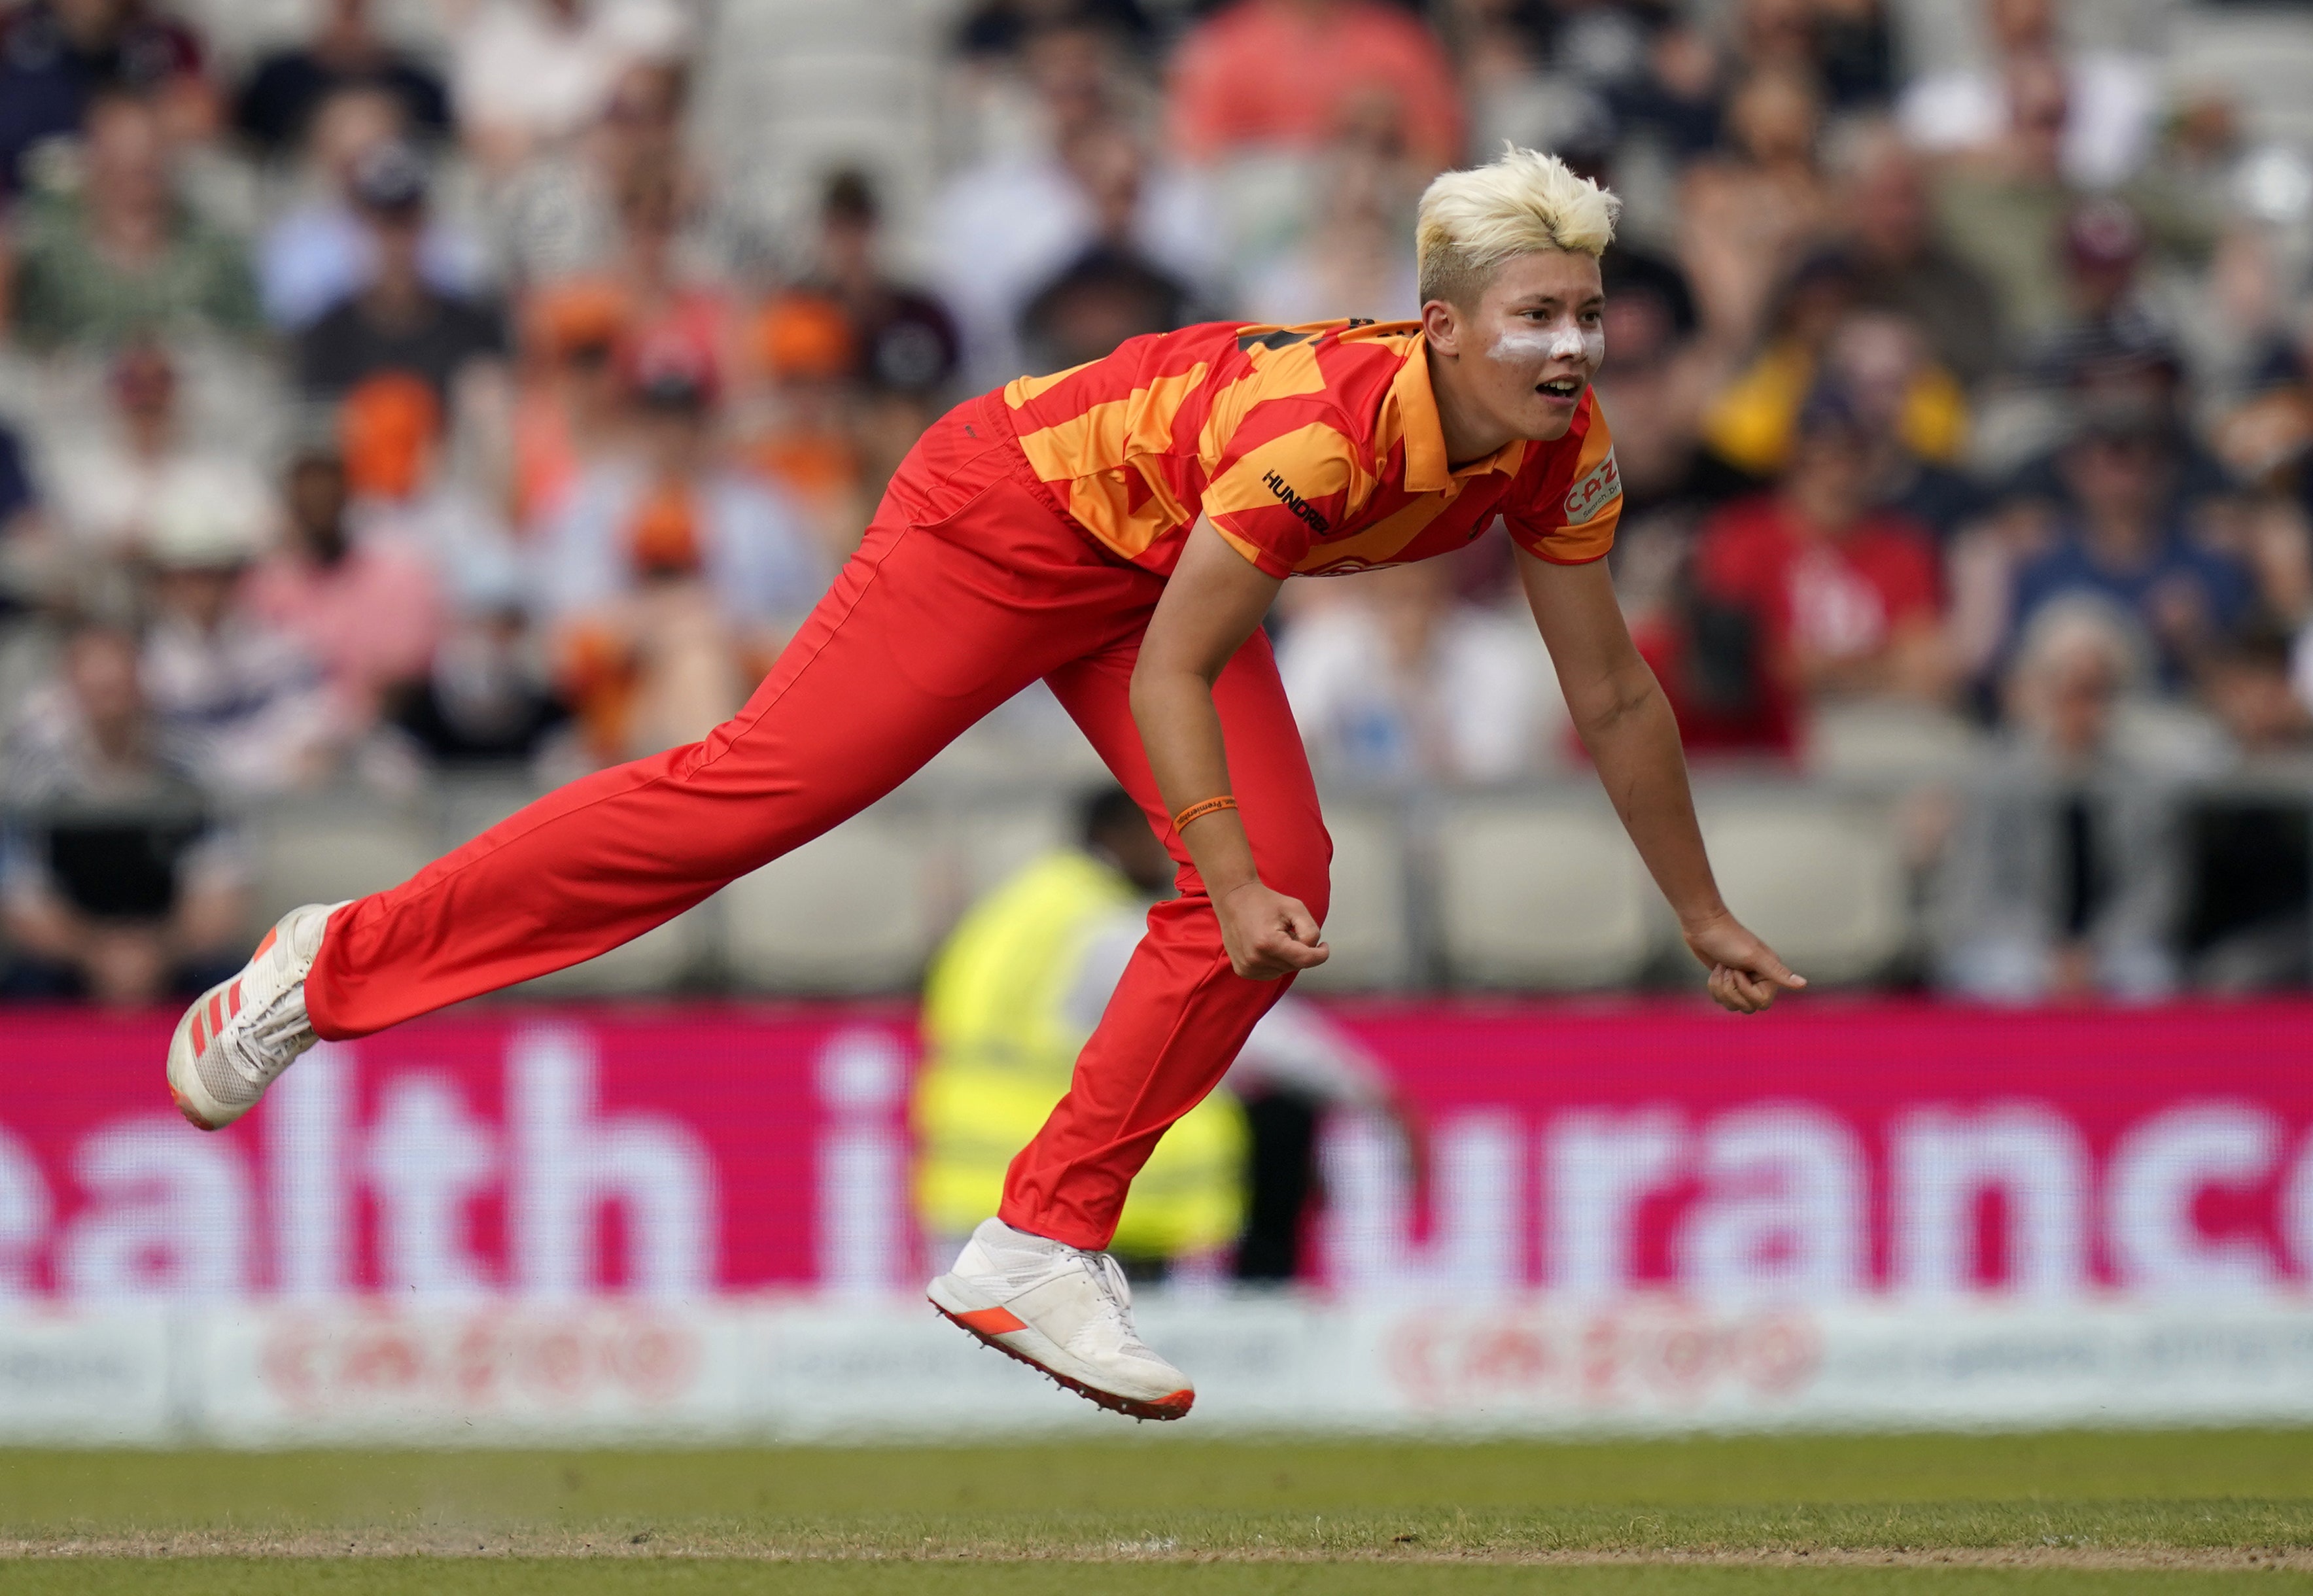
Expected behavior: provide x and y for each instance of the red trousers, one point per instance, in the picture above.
(972, 583)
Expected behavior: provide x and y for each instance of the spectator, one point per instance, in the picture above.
(1006, 225)
(1899, 262)
(19, 504)
(1676, 102)
(2061, 877)
(1911, 419)
(557, 215)
(1749, 214)
(276, 108)
(1806, 594)
(1660, 374)
(488, 699)
(107, 482)
(114, 881)
(1281, 74)
(2120, 542)
(320, 250)
(1356, 260)
(390, 436)
(902, 339)
(570, 406)
(123, 258)
(529, 74)
(2244, 921)
(2112, 95)
(652, 266)
(1848, 48)
(2266, 442)
(2127, 368)
(247, 706)
(399, 322)
(808, 443)
(56, 55)
(1397, 683)
(1748, 425)
(2106, 310)
(1104, 297)
(369, 610)
(998, 29)
(2002, 210)
(1113, 291)
(2190, 191)
(671, 579)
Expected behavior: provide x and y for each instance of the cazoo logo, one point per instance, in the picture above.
(1596, 488)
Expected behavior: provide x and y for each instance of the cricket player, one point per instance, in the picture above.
(1119, 531)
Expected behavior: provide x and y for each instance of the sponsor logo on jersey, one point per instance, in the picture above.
(1299, 506)
(1592, 491)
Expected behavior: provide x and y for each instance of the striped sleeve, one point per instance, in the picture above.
(1284, 480)
(1569, 518)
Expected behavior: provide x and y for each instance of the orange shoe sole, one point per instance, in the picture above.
(1162, 1409)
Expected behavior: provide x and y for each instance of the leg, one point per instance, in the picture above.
(1180, 1013)
(966, 589)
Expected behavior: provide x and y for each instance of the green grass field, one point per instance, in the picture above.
(2182, 1511)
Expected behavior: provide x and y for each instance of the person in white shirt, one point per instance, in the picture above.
(104, 485)
(529, 72)
(1396, 680)
(250, 709)
(1004, 227)
(2111, 96)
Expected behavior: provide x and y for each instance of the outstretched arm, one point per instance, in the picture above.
(1214, 600)
(1626, 724)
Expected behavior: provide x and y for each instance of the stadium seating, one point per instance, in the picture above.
(318, 853)
(849, 913)
(988, 843)
(1548, 895)
(1821, 879)
(1366, 925)
(789, 89)
(1889, 742)
(2261, 56)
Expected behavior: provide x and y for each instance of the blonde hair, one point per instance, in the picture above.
(1472, 221)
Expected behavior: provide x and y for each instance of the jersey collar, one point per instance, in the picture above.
(1426, 467)
(1425, 433)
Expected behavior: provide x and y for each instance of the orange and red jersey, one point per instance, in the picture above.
(1316, 450)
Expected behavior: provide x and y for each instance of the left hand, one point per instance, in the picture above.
(1744, 973)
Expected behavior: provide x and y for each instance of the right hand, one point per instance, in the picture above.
(1267, 934)
(1744, 973)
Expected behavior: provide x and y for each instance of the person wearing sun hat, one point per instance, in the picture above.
(247, 706)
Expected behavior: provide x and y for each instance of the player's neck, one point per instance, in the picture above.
(1469, 433)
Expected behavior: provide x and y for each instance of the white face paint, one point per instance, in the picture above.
(1524, 346)
(1569, 340)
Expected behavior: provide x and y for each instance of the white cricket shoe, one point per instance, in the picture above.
(244, 1032)
(1063, 1310)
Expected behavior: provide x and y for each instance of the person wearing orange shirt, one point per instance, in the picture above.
(1287, 75)
(1118, 531)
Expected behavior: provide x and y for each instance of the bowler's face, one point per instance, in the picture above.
(1536, 341)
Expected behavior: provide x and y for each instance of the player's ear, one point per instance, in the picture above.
(1442, 323)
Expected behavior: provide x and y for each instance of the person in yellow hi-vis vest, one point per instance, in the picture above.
(1012, 996)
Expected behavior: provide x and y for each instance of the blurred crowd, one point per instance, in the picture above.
(372, 408)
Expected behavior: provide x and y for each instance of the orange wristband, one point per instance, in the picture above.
(1197, 812)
